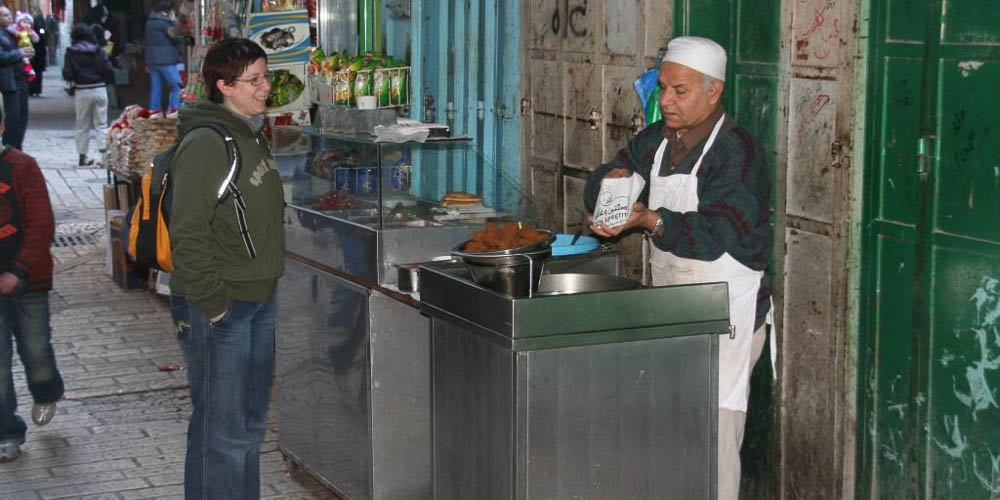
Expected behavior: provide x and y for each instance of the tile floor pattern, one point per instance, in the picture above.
(119, 433)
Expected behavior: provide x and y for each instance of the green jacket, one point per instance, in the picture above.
(211, 263)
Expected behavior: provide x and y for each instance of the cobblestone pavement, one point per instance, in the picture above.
(119, 432)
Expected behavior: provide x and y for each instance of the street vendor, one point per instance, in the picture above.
(705, 211)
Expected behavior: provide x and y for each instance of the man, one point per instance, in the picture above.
(162, 57)
(26, 231)
(52, 27)
(40, 61)
(13, 83)
(707, 217)
(225, 272)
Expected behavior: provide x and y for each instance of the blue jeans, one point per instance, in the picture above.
(25, 318)
(161, 77)
(230, 364)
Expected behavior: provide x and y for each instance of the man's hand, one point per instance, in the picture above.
(8, 283)
(640, 217)
(608, 232)
(28, 52)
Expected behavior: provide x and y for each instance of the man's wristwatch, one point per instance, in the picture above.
(657, 227)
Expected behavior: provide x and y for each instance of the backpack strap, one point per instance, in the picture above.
(228, 186)
(241, 219)
(235, 161)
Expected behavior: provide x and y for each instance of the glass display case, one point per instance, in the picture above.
(353, 351)
(361, 206)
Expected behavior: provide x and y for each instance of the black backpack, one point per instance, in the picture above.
(146, 228)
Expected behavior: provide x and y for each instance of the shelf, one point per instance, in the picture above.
(369, 139)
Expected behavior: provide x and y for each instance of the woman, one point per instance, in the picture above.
(88, 69)
(223, 281)
(98, 20)
(40, 60)
(162, 56)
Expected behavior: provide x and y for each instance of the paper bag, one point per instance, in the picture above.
(614, 202)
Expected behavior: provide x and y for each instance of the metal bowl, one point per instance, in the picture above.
(514, 271)
(487, 257)
(570, 283)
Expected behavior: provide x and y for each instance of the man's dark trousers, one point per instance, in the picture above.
(15, 106)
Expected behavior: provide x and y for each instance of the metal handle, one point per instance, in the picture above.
(925, 154)
(531, 271)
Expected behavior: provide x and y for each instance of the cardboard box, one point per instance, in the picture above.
(124, 198)
(283, 35)
(125, 274)
(110, 197)
(110, 235)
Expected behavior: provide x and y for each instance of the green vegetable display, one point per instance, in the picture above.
(369, 74)
(285, 88)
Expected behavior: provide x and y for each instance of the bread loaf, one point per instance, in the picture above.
(461, 199)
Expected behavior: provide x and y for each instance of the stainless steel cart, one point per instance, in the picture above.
(604, 395)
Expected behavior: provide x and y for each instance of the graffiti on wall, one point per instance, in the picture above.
(569, 20)
(819, 34)
(812, 111)
(975, 371)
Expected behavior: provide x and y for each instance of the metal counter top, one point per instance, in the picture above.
(448, 291)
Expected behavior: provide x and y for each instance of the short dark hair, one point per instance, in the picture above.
(226, 60)
(81, 32)
(164, 5)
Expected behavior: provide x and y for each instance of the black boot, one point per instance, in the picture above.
(85, 162)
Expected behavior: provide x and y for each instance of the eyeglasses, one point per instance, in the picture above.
(256, 81)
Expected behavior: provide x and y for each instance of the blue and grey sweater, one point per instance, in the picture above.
(734, 189)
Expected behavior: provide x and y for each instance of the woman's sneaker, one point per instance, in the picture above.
(10, 449)
(85, 162)
(42, 413)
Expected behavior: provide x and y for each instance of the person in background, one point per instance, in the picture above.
(23, 30)
(13, 83)
(40, 61)
(25, 281)
(99, 22)
(88, 68)
(707, 192)
(224, 279)
(52, 30)
(162, 56)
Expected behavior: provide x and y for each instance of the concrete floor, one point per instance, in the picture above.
(120, 431)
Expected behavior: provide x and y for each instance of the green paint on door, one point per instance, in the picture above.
(750, 31)
(929, 374)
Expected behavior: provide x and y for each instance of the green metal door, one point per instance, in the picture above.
(751, 33)
(929, 367)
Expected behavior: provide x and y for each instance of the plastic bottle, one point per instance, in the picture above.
(653, 111)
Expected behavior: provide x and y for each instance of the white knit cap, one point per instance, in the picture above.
(697, 53)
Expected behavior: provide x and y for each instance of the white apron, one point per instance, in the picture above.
(679, 193)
